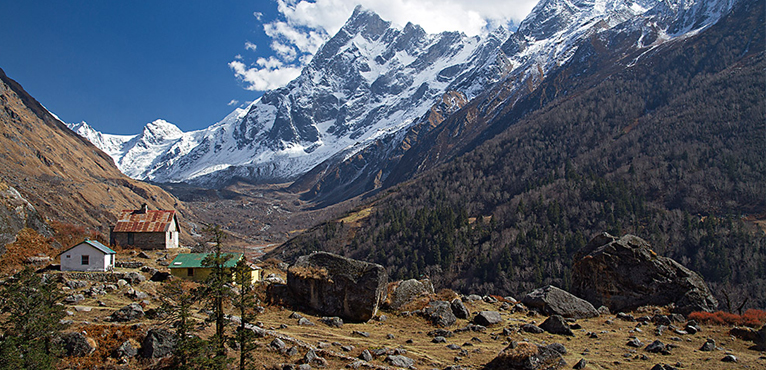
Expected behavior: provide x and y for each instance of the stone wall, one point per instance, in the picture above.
(129, 264)
(146, 241)
(103, 277)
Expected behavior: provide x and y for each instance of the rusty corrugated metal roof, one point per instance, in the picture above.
(137, 221)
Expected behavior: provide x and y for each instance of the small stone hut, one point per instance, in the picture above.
(146, 229)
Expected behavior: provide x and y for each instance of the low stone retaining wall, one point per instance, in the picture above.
(129, 264)
(103, 277)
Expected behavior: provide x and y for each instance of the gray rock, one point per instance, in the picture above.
(130, 312)
(125, 350)
(311, 358)
(305, 322)
(624, 273)
(400, 361)
(277, 344)
(531, 328)
(580, 364)
(134, 278)
(526, 356)
(473, 297)
(558, 347)
(551, 300)
(74, 298)
(366, 356)
(708, 346)
(158, 343)
(441, 333)
(459, 309)
(730, 358)
(656, 347)
(760, 340)
(556, 325)
(635, 343)
(440, 313)
(76, 284)
(439, 340)
(76, 345)
(338, 286)
(160, 276)
(408, 290)
(334, 321)
(488, 318)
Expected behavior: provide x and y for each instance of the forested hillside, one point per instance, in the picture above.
(669, 147)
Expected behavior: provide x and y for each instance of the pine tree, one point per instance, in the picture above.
(246, 304)
(177, 298)
(32, 323)
(217, 289)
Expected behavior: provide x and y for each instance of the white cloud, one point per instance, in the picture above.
(262, 79)
(250, 46)
(305, 25)
(258, 15)
(233, 102)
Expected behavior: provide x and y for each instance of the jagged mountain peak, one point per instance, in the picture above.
(371, 82)
(160, 130)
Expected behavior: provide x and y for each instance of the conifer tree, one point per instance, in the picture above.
(32, 323)
(216, 289)
(246, 304)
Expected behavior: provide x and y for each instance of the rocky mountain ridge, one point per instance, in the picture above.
(46, 168)
(373, 91)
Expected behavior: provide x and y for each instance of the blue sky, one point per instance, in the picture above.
(121, 64)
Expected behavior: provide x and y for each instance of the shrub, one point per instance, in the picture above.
(751, 318)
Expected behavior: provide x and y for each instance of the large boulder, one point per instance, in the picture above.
(440, 313)
(551, 300)
(130, 312)
(526, 356)
(158, 343)
(77, 344)
(408, 290)
(338, 286)
(625, 273)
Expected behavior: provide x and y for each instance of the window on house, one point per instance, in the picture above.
(85, 260)
(131, 238)
(68, 255)
(189, 272)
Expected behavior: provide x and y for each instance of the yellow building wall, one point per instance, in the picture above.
(200, 274)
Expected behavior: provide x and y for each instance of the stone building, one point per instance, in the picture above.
(146, 229)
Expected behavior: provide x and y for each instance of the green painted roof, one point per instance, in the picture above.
(194, 260)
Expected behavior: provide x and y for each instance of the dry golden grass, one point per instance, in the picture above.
(355, 217)
(608, 351)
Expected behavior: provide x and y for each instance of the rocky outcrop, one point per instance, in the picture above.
(338, 286)
(488, 318)
(158, 343)
(440, 314)
(130, 312)
(408, 290)
(16, 213)
(625, 273)
(550, 300)
(77, 345)
(526, 356)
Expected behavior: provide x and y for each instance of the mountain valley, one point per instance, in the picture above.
(479, 167)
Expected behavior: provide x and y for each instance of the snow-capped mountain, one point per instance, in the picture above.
(373, 90)
(545, 41)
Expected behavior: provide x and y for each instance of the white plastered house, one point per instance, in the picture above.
(89, 255)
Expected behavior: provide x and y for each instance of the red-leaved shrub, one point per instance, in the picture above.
(752, 318)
